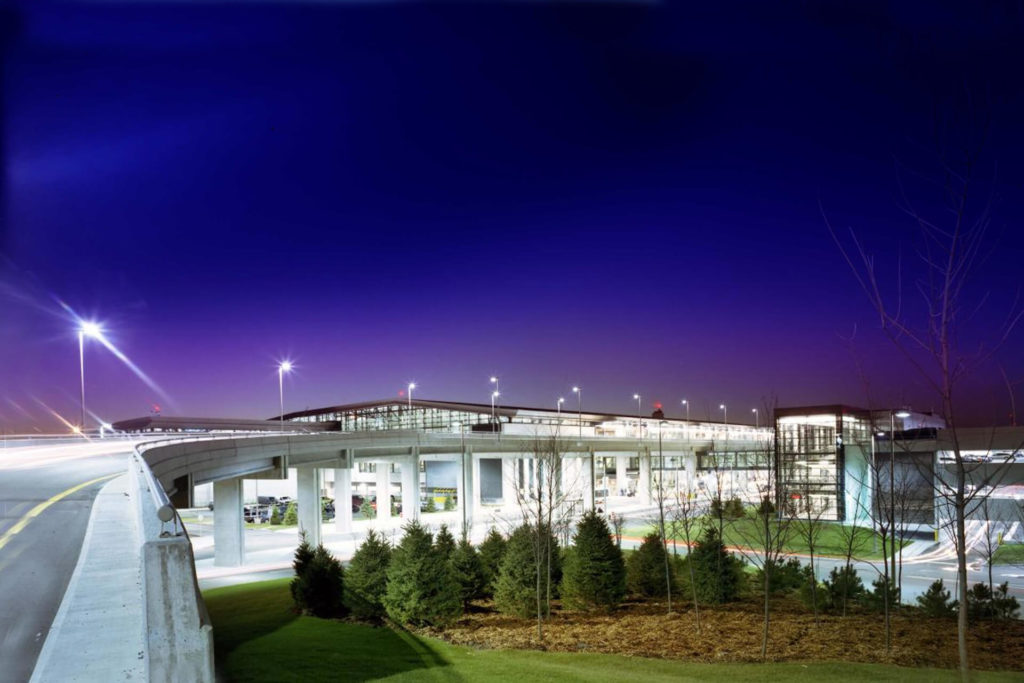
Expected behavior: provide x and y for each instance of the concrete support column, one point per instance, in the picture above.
(310, 510)
(691, 471)
(466, 487)
(228, 524)
(343, 500)
(587, 479)
(621, 479)
(508, 482)
(643, 484)
(383, 490)
(411, 486)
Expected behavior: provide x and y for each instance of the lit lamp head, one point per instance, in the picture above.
(721, 406)
(902, 414)
(495, 394)
(412, 385)
(494, 380)
(575, 390)
(636, 397)
(90, 329)
(286, 366)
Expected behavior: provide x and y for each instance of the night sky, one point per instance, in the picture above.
(625, 196)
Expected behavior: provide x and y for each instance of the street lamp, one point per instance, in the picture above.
(494, 395)
(639, 417)
(757, 420)
(412, 385)
(285, 366)
(87, 329)
(687, 404)
(725, 415)
(559, 406)
(893, 414)
(579, 407)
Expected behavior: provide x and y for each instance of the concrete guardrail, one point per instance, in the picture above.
(178, 629)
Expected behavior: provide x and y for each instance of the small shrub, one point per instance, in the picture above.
(645, 569)
(449, 503)
(431, 505)
(874, 599)
(594, 573)
(985, 604)
(784, 577)
(366, 510)
(843, 587)
(366, 578)
(491, 552)
(275, 516)
(812, 590)
(936, 602)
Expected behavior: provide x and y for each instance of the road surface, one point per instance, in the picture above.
(46, 496)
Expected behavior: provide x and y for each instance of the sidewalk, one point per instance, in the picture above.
(99, 632)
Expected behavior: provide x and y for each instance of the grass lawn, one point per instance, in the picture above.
(1009, 553)
(258, 638)
(743, 532)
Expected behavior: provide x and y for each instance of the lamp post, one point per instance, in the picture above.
(639, 417)
(494, 395)
(757, 418)
(285, 366)
(725, 414)
(687, 404)
(412, 385)
(893, 414)
(558, 405)
(87, 329)
(579, 407)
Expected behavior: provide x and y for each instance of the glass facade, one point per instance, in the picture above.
(820, 462)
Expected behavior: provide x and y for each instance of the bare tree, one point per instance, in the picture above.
(769, 530)
(807, 526)
(617, 521)
(543, 502)
(930, 339)
(687, 519)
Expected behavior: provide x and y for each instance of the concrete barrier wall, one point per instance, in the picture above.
(178, 629)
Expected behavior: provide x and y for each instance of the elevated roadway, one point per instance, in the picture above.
(46, 495)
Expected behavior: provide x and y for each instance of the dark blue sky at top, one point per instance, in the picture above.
(625, 196)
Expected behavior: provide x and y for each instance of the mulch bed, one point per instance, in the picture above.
(732, 633)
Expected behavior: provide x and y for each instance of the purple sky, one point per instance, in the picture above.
(623, 196)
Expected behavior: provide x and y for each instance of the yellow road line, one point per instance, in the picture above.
(38, 509)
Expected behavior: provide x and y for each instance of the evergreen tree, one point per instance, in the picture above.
(469, 572)
(935, 602)
(875, 598)
(275, 515)
(303, 556)
(645, 569)
(843, 586)
(594, 573)
(717, 572)
(366, 510)
(491, 552)
(445, 542)
(449, 503)
(421, 585)
(431, 504)
(291, 513)
(515, 590)
(366, 578)
(318, 589)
